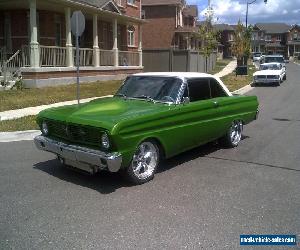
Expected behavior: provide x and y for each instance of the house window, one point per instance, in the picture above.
(278, 38)
(131, 2)
(268, 38)
(119, 2)
(130, 32)
(143, 14)
(295, 36)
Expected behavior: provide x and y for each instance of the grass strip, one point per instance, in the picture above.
(21, 124)
(18, 99)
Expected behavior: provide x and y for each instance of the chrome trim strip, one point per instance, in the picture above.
(80, 154)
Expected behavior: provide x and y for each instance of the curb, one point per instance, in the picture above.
(243, 90)
(19, 135)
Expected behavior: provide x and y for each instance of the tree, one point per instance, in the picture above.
(242, 43)
(208, 38)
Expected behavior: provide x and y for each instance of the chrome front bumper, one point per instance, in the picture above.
(266, 80)
(80, 157)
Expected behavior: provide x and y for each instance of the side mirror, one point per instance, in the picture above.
(185, 100)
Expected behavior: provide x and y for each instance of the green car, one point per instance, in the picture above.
(153, 116)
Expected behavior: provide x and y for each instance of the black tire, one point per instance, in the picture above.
(232, 140)
(142, 169)
(284, 78)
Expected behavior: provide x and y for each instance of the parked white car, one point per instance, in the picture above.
(257, 57)
(270, 73)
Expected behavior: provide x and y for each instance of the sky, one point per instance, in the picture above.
(230, 11)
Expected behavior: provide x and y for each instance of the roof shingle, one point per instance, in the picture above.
(162, 2)
(273, 28)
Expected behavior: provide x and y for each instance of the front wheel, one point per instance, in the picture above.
(144, 163)
(233, 135)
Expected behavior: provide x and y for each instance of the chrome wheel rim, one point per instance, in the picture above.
(145, 160)
(236, 132)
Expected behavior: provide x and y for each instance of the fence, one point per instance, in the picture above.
(169, 60)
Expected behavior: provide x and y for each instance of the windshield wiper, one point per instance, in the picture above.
(146, 97)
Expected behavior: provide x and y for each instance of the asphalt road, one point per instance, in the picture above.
(202, 199)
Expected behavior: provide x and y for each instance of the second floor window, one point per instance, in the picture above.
(131, 2)
(278, 38)
(296, 37)
(130, 32)
(268, 38)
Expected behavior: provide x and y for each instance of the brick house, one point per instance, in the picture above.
(226, 37)
(270, 38)
(170, 24)
(293, 41)
(36, 40)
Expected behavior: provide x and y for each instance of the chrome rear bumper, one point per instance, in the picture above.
(80, 157)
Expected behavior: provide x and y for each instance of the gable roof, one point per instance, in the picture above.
(162, 2)
(190, 10)
(223, 27)
(273, 28)
(94, 3)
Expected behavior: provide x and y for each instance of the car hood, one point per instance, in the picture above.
(267, 72)
(104, 112)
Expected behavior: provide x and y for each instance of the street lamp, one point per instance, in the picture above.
(249, 3)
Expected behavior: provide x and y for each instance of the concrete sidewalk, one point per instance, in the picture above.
(229, 68)
(19, 113)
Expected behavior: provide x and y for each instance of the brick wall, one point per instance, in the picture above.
(158, 32)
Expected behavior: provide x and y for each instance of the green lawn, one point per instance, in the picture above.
(25, 123)
(234, 82)
(17, 99)
(220, 64)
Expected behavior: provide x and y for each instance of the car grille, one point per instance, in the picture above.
(272, 77)
(75, 133)
(261, 77)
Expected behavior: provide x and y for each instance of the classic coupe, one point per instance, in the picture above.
(270, 73)
(153, 116)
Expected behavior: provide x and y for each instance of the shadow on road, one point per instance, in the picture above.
(106, 182)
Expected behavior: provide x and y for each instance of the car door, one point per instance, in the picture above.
(196, 120)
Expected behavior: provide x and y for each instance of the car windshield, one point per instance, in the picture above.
(257, 54)
(155, 88)
(270, 67)
(278, 59)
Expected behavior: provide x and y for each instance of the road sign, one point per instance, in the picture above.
(77, 28)
(77, 23)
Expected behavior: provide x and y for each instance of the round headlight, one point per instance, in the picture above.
(45, 129)
(105, 141)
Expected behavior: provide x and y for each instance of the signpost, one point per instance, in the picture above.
(77, 28)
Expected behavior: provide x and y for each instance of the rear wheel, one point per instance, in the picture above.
(233, 135)
(144, 163)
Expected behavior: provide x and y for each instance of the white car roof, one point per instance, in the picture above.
(175, 74)
(184, 75)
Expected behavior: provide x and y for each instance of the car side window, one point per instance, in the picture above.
(198, 89)
(216, 89)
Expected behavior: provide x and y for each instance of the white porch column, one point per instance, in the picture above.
(140, 48)
(69, 46)
(34, 45)
(115, 39)
(96, 54)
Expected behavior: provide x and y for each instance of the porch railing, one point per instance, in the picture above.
(106, 57)
(85, 57)
(52, 56)
(128, 58)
